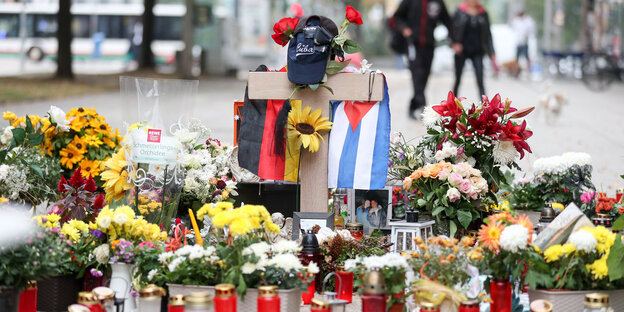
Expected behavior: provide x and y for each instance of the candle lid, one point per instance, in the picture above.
(87, 298)
(177, 300)
(428, 306)
(596, 300)
(151, 291)
(103, 293)
(310, 243)
(354, 226)
(470, 303)
(374, 283)
(320, 304)
(198, 299)
(77, 308)
(267, 291)
(541, 305)
(32, 285)
(224, 290)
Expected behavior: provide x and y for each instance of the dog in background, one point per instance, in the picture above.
(512, 68)
(550, 103)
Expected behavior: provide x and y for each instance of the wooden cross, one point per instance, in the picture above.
(346, 87)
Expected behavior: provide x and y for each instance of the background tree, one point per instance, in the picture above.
(146, 59)
(64, 39)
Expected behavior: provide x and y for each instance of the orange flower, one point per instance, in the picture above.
(524, 221)
(434, 170)
(416, 174)
(489, 235)
(504, 216)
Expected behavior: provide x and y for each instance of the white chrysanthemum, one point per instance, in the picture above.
(249, 268)
(505, 152)
(163, 257)
(448, 150)
(285, 246)
(346, 234)
(260, 249)
(151, 274)
(583, 240)
(286, 262)
(579, 159)
(175, 263)
(394, 260)
(313, 268)
(104, 221)
(430, 117)
(120, 218)
(7, 135)
(514, 238)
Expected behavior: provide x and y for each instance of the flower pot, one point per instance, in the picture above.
(57, 293)
(572, 300)
(397, 307)
(290, 299)
(500, 293)
(411, 216)
(121, 284)
(9, 299)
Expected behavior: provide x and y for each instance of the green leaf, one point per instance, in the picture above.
(351, 47)
(314, 86)
(19, 135)
(3, 154)
(421, 202)
(36, 169)
(437, 210)
(452, 228)
(618, 225)
(328, 88)
(334, 67)
(35, 139)
(615, 261)
(29, 126)
(464, 217)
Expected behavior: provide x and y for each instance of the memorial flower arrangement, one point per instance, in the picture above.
(208, 177)
(341, 246)
(591, 258)
(490, 136)
(188, 265)
(445, 269)
(404, 158)
(449, 192)
(506, 244)
(393, 267)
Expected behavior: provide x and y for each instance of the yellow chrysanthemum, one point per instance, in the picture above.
(92, 140)
(8, 115)
(70, 157)
(71, 232)
(116, 176)
(78, 144)
(220, 207)
(90, 167)
(599, 268)
(604, 238)
(272, 227)
(223, 219)
(307, 128)
(553, 253)
(3, 200)
(240, 226)
(568, 249)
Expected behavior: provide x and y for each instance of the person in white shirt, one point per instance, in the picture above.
(524, 27)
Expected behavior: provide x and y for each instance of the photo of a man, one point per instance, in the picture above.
(372, 208)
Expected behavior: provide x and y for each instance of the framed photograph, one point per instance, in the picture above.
(372, 208)
(308, 220)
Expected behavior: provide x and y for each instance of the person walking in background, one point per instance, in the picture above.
(416, 19)
(473, 36)
(523, 27)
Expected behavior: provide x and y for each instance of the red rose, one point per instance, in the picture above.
(283, 29)
(353, 15)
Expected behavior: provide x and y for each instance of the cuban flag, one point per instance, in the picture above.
(359, 144)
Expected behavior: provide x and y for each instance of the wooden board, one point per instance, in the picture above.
(346, 86)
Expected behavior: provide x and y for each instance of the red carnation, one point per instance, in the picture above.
(353, 15)
(284, 29)
(90, 186)
(221, 184)
(76, 180)
(61, 185)
(98, 203)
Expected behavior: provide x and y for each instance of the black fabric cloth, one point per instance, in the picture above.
(461, 24)
(414, 14)
(522, 50)
(251, 131)
(471, 42)
(477, 63)
(420, 68)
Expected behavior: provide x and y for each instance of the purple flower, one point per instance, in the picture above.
(401, 156)
(96, 273)
(35, 262)
(40, 235)
(99, 234)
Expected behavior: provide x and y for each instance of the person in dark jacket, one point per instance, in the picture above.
(417, 19)
(472, 33)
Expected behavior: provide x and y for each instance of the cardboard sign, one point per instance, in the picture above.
(151, 147)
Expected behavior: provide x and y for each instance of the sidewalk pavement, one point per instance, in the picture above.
(590, 122)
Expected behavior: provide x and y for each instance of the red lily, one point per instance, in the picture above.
(487, 123)
(449, 108)
(518, 134)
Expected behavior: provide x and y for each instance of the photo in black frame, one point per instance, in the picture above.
(307, 220)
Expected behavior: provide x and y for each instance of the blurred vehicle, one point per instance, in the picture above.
(602, 68)
(113, 20)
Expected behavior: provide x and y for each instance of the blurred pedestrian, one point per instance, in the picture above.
(136, 40)
(523, 27)
(474, 39)
(416, 19)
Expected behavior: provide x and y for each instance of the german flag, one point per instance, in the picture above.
(262, 145)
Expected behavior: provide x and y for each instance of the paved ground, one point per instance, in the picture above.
(590, 122)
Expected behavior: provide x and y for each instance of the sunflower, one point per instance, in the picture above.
(306, 128)
(70, 157)
(116, 176)
(78, 123)
(78, 144)
(99, 125)
(92, 140)
(489, 235)
(81, 112)
(90, 167)
(108, 142)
